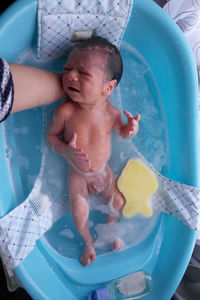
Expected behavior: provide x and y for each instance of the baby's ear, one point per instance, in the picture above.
(109, 86)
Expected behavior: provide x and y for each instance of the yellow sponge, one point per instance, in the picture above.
(137, 183)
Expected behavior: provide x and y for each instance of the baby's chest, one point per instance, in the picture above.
(89, 127)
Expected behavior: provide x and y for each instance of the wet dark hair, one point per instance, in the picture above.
(114, 61)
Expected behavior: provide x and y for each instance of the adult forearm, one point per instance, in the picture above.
(34, 87)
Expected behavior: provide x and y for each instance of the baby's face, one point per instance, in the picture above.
(85, 77)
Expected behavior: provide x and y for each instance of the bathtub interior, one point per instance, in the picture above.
(160, 141)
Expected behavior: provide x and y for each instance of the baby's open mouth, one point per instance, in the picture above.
(73, 89)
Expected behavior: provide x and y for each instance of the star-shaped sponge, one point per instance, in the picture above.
(137, 183)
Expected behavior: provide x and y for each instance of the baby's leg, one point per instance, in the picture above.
(111, 193)
(79, 208)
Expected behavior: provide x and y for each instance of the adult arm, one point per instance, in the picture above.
(34, 87)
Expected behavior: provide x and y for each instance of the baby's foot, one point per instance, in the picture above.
(118, 244)
(88, 255)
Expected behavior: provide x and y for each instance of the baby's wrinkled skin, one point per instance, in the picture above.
(80, 131)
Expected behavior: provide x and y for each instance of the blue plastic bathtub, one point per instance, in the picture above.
(165, 253)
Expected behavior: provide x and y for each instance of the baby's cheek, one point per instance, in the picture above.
(64, 81)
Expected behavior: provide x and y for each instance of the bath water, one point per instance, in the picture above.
(137, 93)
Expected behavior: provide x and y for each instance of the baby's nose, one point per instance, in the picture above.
(73, 75)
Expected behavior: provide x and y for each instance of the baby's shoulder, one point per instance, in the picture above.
(113, 111)
(65, 109)
(69, 105)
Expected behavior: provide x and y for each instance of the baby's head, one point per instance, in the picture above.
(114, 62)
(93, 68)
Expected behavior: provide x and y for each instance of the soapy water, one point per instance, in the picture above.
(137, 93)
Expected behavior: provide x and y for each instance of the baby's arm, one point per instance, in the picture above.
(56, 128)
(129, 129)
(68, 150)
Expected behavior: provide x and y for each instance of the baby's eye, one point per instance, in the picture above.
(84, 73)
(66, 70)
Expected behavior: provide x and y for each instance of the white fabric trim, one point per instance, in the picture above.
(58, 20)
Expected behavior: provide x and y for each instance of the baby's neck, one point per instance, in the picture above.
(92, 107)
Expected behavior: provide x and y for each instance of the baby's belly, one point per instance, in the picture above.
(95, 142)
(99, 157)
(98, 153)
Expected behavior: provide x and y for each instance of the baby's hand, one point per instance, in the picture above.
(132, 126)
(77, 156)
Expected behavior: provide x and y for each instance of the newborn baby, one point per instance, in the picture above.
(80, 131)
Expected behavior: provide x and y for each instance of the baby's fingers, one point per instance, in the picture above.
(72, 143)
(128, 114)
(80, 153)
(137, 118)
(83, 161)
